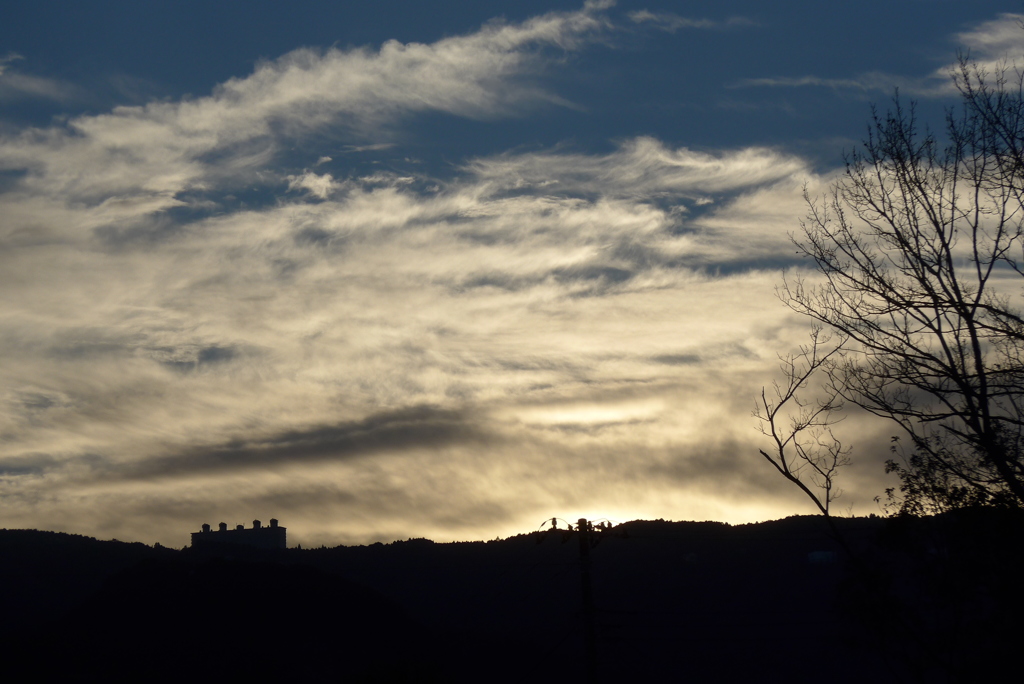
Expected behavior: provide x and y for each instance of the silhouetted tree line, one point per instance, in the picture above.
(672, 601)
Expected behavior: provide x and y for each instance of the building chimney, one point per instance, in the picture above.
(223, 527)
(273, 522)
(206, 527)
(239, 527)
(255, 524)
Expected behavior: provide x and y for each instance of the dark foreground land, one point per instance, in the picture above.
(905, 600)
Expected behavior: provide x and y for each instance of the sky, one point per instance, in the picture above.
(401, 269)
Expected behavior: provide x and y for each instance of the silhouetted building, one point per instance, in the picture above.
(259, 537)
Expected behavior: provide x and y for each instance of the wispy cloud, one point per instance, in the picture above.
(7, 59)
(141, 157)
(992, 44)
(668, 21)
(642, 167)
(321, 186)
(999, 39)
(15, 85)
(936, 85)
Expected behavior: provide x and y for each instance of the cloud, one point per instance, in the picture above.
(992, 44)
(140, 159)
(869, 82)
(6, 60)
(18, 86)
(318, 186)
(998, 39)
(642, 167)
(938, 84)
(420, 427)
(667, 21)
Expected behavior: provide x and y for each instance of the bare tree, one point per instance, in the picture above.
(804, 448)
(918, 255)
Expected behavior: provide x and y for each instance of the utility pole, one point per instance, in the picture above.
(584, 528)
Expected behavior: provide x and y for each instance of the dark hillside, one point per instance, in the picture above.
(702, 598)
(45, 573)
(671, 602)
(220, 620)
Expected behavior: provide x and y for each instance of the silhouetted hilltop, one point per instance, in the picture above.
(693, 600)
(44, 573)
(223, 620)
